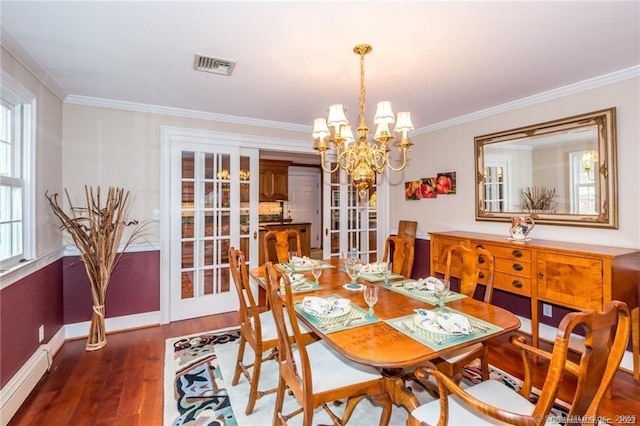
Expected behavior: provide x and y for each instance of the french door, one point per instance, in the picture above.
(214, 193)
(351, 221)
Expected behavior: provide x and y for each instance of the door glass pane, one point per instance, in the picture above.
(206, 201)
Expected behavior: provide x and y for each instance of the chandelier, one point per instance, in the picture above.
(362, 159)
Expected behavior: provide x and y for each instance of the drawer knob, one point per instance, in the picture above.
(517, 284)
(517, 267)
(480, 246)
(481, 275)
(516, 253)
(540, 275)
(480, 259)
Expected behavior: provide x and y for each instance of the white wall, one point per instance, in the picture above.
(111, 147)
(48, 152)
(452, 149)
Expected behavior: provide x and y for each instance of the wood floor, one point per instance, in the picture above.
(122, 384)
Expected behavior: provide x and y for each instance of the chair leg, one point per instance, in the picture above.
(484, 363)
(239, 359)
(255, 380)
(384, 399)
(277, 409)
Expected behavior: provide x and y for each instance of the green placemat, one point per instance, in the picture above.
(373, 277)
(425, 296)
(356, 317)
(305, 287)
(437, 341)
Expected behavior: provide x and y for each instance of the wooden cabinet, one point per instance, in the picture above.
(274, 180)
(576, 276)
(305, 238)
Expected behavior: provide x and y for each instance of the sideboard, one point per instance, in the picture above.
(575, 276)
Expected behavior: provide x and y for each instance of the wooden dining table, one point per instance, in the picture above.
(381, 345)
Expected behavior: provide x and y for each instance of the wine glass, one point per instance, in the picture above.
(370, 297)
(316, 270)
(354, 267)
(441, 292)
(385, 269)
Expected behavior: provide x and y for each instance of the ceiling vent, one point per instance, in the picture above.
(213, 65)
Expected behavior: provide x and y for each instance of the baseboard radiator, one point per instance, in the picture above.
(23, 382)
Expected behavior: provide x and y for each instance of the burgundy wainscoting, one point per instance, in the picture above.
(134, 287)
(25, 305)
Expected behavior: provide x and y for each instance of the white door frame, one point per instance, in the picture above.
(170, 135)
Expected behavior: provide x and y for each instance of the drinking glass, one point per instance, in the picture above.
(385, 268)
(441, 292)
(316, 270)
(371, 297)
(354, 267)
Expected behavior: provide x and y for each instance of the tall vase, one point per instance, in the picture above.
(99, 274)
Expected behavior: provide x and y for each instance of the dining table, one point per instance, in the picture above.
(390, 340)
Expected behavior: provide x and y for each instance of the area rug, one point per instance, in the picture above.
(199, 369)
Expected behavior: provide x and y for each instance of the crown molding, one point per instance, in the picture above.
(16, 50)
(571, 89)
(184, 113)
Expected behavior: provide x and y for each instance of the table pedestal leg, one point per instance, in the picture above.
(398, 392)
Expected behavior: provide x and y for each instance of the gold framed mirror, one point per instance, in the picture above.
(561, 172)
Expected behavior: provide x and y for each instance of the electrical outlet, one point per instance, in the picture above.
(155, 215)
(547, 310)
(41, 333)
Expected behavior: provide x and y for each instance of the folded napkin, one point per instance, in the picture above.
(454, 323)
(451, 323)
(428, 284)
(321, 307)
(296, 278)
(301, 261)
(372, 268)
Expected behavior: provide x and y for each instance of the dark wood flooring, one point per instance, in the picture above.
(122, 384)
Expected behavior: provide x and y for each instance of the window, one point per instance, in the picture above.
(17, 233)
(583, 183)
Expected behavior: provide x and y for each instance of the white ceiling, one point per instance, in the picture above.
(439, 60)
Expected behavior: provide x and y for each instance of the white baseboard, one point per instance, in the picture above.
(548, 334)
(17, 390)
(81, 329)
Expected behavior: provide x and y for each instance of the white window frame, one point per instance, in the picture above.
(575, 184)
(17, 95)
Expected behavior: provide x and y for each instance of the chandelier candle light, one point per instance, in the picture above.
(362, 159)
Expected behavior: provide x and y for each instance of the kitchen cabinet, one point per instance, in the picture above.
(305, 238)
(274, 180)
(575, 276)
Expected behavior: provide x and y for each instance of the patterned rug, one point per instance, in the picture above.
(197, 366)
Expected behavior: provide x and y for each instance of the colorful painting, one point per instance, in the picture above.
(419, 189)
(446, 183)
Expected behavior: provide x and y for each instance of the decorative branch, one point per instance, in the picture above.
(537, 198)
(97, 230)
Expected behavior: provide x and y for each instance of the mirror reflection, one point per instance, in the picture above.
(560, 172)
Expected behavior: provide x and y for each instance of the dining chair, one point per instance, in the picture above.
(469, 273)
(402, 251)
(604, 344)
(314, 373)
(281, 240)
(256, 328)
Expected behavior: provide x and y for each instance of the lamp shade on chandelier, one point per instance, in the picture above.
(361, 158)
